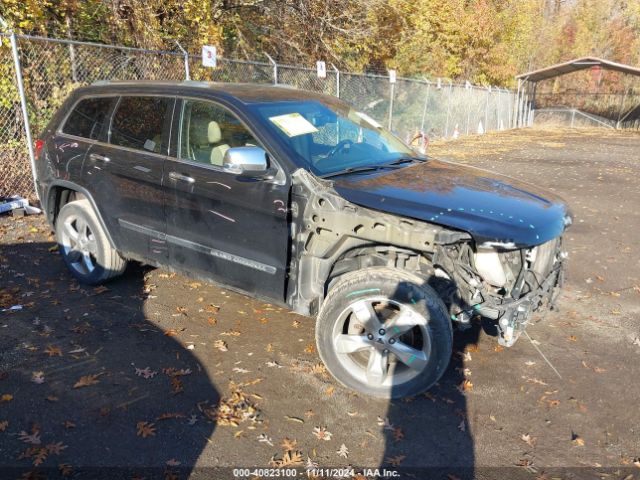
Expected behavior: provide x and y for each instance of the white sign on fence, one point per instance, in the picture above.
(321, 68)
(392, 76)
(209, 56)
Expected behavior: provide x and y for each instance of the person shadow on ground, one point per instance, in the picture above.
(89, 385)
(434, 440)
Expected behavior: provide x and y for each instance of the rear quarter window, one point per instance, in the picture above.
(88, 117)
(139, 122)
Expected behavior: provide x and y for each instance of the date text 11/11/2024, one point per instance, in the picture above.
(292, 473)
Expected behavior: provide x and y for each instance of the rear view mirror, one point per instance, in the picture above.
(246, 161)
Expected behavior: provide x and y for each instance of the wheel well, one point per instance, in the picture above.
(59, 197)
(373, 256)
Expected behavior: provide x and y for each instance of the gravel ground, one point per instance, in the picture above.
(160, 376)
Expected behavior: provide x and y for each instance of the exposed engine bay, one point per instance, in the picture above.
(332, 236)
(506, 286)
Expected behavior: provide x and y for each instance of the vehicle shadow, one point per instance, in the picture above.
(434, 440)
(90, 386)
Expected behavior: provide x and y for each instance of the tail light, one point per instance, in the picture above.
(38, 144)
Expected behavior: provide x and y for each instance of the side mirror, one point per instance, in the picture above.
(246, 162)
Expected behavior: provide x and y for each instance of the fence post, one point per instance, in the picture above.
(446, 128)
(337, 80)
(467, 86)
(275, 68)
(498, 108)
(72, 52)
(426, 103)
(486, 110)
(516, 106)
(187, 76)
(25, 112)
(391, 95)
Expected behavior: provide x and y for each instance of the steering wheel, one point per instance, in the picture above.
(340, 146)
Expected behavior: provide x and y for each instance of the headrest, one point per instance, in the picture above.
(198, 134)
(214, 132)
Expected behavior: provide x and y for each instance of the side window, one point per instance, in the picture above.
(208, 130)
(139, 121)
(88, 117)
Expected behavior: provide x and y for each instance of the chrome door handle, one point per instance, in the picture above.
(96, 156)
(179, 176)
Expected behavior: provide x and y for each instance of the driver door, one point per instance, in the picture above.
(231, 229)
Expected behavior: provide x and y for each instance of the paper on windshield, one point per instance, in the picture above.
(368, 119)
(293, 124)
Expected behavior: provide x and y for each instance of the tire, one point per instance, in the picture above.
(414, 336)
(84, 246)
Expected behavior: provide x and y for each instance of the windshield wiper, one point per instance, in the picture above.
(407, 159)
(365, 168)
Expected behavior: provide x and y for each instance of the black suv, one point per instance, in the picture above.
(299, 199)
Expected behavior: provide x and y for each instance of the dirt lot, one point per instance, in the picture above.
(159, 376)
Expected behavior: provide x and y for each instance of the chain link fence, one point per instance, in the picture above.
(52, 68)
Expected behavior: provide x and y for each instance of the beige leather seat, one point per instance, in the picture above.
(215, 137)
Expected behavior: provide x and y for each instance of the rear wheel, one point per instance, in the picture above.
(385, 333)
(84, 246)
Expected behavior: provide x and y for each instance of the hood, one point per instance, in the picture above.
(493, 208)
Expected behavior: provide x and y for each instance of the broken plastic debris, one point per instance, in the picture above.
(16, 202)
(12, 308)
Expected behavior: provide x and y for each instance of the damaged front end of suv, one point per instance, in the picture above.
(503, 285)
(482, 260)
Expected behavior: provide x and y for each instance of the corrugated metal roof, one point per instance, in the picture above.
(575, 65)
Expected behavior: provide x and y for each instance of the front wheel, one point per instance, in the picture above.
(384, 332)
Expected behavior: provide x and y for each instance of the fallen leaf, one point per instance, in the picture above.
(6, 397)
(145, 429)
(53, 351)
(465, 386)
(288, 444)
(343, 451)
(33, 439)
(577, 440)
(322, 433)
(526, 438)
(37, 377)
(3, 425)
(87, 380)
(146, 373)
(398, 434)
(221, 345)
(294, 419)
(263, 438)
(173, 462)
(288, 459)
(55, 448)
(65, 469)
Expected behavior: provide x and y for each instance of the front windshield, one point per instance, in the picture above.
(331, 139)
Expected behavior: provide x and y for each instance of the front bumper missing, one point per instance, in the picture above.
(514, 316)
(469, 295)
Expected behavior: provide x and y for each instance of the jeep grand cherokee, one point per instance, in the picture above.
(302, 200)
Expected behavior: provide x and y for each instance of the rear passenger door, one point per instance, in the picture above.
(84, 126)
(125, 174)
